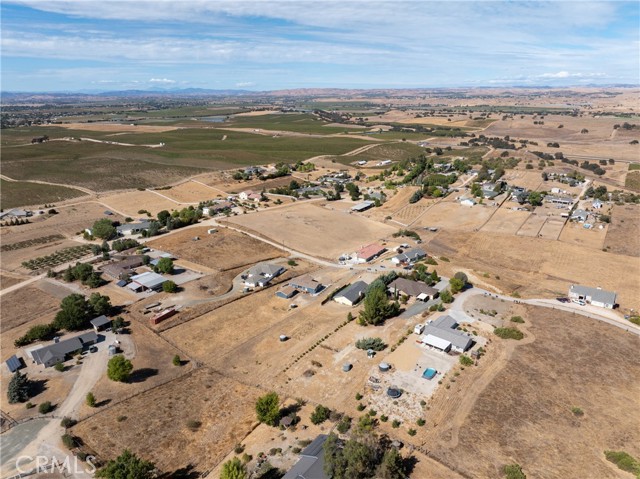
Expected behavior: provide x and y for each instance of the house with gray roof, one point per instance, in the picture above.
(411, 288)
(352, 294)
(442, 334)
(409, 256)
(146, 282)
(580, 215)
(100, 323)
(59, 352)
(262, 274)
(596, 296)
(129, 229)
(311, 462)
(306, 284)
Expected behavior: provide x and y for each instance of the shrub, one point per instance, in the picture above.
(176, 360)
(577, 411)
(69, 441)
(465, 360)
(29, 405)
(395, 424)
(59, 366)
(358, 396)
(296, 450)
(119, 368)
(624, 461)
(384, 418)
(509, 333)
(514, 471)
(412, 432)
(267, 409)
(371, 343)
(91, 399)
(421, 422)
(169, 287)
(292, 262)
(121, 418)
(517, 319)
(45, 407)
(67, 422)
(344, 425)
(193, 425)
(361, 407)
(320, 414)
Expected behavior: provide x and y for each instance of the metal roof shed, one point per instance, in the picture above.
(434, 341)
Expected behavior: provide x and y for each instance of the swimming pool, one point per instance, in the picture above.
(429, 373)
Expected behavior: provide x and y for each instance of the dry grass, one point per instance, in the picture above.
(575, 233)
(25, 305)
(156, 422)
(449, 214)
(220, 251)
(623, 234)
(506, 221)
(523, 415)
(134, 201)
(315, 230)
(191, 192)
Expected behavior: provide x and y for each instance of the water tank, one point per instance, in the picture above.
(347, 367)
(384, 367)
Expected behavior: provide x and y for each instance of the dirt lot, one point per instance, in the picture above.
(224, 407)
(523, 415)
(452, 215)
(314, 229)
(7, 280)
(575, 233)
(134, 201)
(220, 251)
(192, 192)
(27, 304)
(506, 220)
(536, 267)
(623, 234)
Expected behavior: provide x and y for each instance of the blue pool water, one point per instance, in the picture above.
(429, 373)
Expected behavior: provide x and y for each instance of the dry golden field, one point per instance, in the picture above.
(226, 249)
(192, 192)
(623, 234)
(314, 229)
(25, 305)
(520, 407)
(133, 201)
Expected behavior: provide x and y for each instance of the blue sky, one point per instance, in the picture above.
(273, 44)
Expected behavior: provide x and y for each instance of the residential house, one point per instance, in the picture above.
(409, 256)
(250, 195)
(262, 274)
(559, 200)
(468, 202)
(369, 252)
(597, 204)
(580, 215)
(129, 229)
(352, 294)
(287, 292)
(216, 208)
(412, 288)
(59, 351)
(311, 462)
(306, 284)
(120, 269)
(595, 296)
(442, 334)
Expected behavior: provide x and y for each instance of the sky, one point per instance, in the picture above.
(106, 45)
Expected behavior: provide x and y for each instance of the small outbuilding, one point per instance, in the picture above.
(13, 363)
(287, 292)
(100, 323)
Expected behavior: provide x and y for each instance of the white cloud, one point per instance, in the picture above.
(565, 74)
(245, 84)
(161, 80)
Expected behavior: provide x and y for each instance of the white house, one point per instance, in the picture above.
(250, 196)
(595, 296)
(468, 202)
(262, 274)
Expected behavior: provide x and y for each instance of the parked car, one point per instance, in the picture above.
(578, 301)
(93, 349)
(563, 300)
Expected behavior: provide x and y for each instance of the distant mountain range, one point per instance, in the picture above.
(87, 95)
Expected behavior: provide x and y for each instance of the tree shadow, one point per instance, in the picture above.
(141, 375)
(37, 386)
(291, 409)
(104, 402)
(187, 472)
(409, 464)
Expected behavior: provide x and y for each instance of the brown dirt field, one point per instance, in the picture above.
(7, 280)
(532, 225)
(575, 233)
(133, 201)
(449, 214)
(537, 267)
(623, 234)
(224, 182)
(224, 250)
(506, 220)
(116, 128)
(523, 414)
(552, 228)
(314, 229)
(152, 362)
(27, 304)
(223, 406)
(529, 179)
(191, 192)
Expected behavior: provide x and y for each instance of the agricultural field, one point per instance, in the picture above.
(27, 304)
(632, 181)
(529, 394)
(506, 220)
(224, 250)
(293, 122)
(22, 193)
(191, 192)
(317, 230)
(57, 258)
(385, 151)
(31, 242)
(450, 214)
(131, 202)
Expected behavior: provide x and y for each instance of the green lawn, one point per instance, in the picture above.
(14, 194)
(634, 166)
